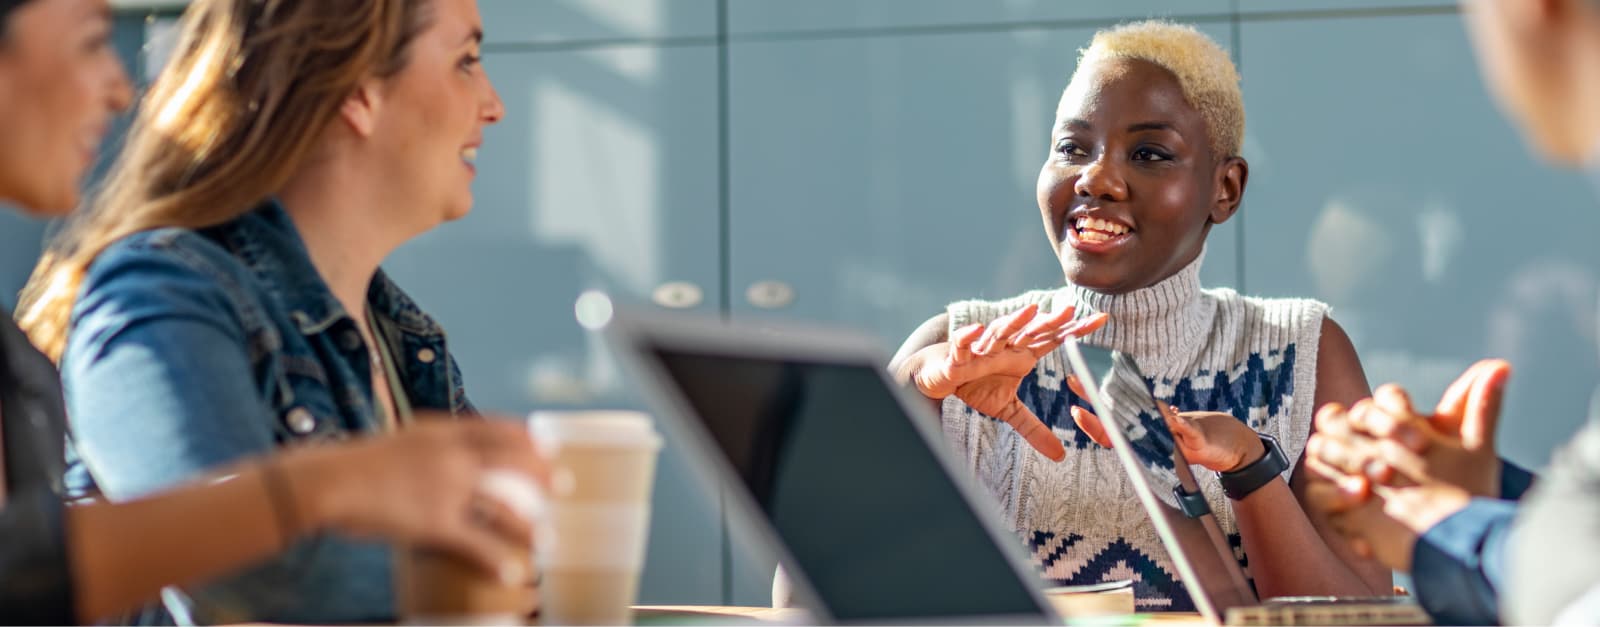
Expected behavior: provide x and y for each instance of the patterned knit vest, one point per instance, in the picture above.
(1203, 349)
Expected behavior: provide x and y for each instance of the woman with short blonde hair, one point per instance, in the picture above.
(1144, 159)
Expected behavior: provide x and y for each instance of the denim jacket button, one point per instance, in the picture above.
(426, 355)
(300, 421)
(350, 340)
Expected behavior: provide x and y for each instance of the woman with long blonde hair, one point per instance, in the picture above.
(60, 83)
(221, 297)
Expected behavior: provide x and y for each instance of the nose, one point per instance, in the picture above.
(1101, 179)
(120, 95)
(493, 108)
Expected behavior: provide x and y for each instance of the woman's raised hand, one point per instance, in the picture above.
(983, 364)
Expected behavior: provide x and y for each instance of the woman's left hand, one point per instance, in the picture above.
(1215, 440)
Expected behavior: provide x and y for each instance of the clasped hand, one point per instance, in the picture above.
(1385, 473)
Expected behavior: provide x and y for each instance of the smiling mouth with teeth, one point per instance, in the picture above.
(469, 155)
(1096, 230)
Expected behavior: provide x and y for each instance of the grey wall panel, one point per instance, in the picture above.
(578, 21)
(882, 178)
(21, 238)
(1386, 184)
(774, 16)
(602, 176)
(1248, 6)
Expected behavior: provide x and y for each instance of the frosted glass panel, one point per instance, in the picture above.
(576, 21)
(768, 16)
(1385, 183)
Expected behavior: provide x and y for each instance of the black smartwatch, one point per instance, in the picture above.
(1240, 483)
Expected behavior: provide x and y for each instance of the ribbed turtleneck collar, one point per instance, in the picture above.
(1160, 326)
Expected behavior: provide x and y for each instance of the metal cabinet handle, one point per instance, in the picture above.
(769, 294)
(678, 295)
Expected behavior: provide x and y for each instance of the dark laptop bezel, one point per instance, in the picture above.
(632, 334)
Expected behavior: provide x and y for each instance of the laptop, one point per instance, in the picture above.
(837, 469)
(1122, 398)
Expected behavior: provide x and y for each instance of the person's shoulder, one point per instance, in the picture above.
(169, 251)
(157, 272)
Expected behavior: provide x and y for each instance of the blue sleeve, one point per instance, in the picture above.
(157, 378)
(1457, 566)
(160, 388)
(35, 581)
(1514, 481)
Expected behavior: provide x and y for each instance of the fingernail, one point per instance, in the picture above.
(1375, 469)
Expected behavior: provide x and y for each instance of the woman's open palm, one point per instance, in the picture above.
(984, 364)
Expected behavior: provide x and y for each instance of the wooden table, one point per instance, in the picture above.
(686, 614)
(699, 614)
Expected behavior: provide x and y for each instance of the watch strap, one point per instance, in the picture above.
(1193, 504)
(1240, 483)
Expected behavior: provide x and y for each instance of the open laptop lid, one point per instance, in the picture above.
(1122, 399)
(840, 470)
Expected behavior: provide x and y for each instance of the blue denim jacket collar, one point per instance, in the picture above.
(268, 243)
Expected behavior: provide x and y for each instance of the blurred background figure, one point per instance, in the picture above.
(1440, 505)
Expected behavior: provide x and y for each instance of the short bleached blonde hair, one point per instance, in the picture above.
(1204, 71)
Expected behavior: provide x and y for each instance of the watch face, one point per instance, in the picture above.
(1275, 452)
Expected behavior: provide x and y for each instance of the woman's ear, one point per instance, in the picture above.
(360, 109)
(1232, 175)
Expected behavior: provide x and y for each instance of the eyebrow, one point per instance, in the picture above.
(1079, 124)
(1074, 124)
(1152, 126)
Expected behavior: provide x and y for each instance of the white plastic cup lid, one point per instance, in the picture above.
(599, 428)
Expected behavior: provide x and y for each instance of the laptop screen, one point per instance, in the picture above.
(851, 487)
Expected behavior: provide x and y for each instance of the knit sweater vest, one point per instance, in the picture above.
(1202, 349)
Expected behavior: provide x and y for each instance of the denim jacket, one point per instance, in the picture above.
(192, 349)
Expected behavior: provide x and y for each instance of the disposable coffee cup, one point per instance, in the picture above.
(433, 587)
(591, 539)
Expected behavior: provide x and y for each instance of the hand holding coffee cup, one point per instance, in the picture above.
(592, 538)
(494, 501)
